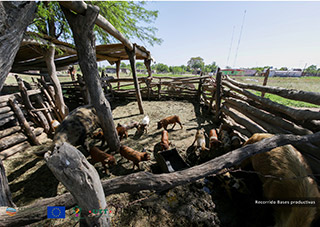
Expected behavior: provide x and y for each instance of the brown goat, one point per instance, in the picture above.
(99, 156)
(165, 144)
(213, 139)
(134, 156)
(169, 120)
(122, 131)
(291, 170)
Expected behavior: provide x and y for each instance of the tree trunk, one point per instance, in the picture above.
(59, 101)
(14, 19)
(82, 28)
(72, 169)
(5, 194)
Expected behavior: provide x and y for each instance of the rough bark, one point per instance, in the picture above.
(73, 170)
(299, 115)
(14, 149)
(159, 182)
(59, 101)
(9, 131)
(311, 125)
(82, 28)
(14, 19)
(132, 59)
(252, 127)
(5, 194)
(265, 81)
(24, 123)
(304, 96)
(272, 119)
(16, 138)
(218, 95)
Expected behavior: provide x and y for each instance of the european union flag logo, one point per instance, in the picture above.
(56, 212)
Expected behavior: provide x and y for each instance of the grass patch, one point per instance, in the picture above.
(284, 101)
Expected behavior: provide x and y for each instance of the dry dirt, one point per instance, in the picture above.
(30, 179)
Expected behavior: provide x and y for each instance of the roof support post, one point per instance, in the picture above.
(132, 59)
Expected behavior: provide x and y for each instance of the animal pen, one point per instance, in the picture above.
(26, 116)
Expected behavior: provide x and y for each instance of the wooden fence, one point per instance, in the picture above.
(26, 117)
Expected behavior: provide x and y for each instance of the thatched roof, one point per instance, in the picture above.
(30, 54)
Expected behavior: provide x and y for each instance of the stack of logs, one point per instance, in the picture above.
(248, 113)
(26, 117)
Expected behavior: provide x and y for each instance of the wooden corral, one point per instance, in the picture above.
(28, 115)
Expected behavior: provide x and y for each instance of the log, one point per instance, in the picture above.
(6, 120)
(265, 125)
(6, 115)
(299, 115)
(310, 125)
(272, 119)
(16, 138)
(136, 182)
(51, 104)
(232, 124)
(59, 101)
(5, 194)
(265, 81)
(82, 29)
(9, 131)
(118, 73)
(3, 103)
(304, 96)
(14, 19)
(132, 59)
(252, 127)
(14, 149)
(23, 122)
(38, 116)
(218, 96)
(73, 170)
(5, 109)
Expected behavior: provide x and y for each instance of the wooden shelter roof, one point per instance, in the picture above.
(30, 55)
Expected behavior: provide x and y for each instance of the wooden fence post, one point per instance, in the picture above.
(82, 29)
(24, 123)
(265, 81)
(73, 170)
(132, 58)
(218, 96)
(118, 72)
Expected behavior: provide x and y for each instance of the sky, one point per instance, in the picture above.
(274, 33)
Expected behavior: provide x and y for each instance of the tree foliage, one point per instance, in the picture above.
(312, 69)
(196, 63)
(126, 17)
(162, 68)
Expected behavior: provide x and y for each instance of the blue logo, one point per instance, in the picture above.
(56, 212)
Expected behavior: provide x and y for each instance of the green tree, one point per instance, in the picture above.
(162, 68)
(196, 63)
(140, 65)
(312, 69)
(176, 70)
(124, 16)
(123, 65)
(283, 69)
(210, 68)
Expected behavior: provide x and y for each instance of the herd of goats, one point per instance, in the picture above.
(292, 175)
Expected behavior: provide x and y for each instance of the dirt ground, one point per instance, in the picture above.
(30, 179)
